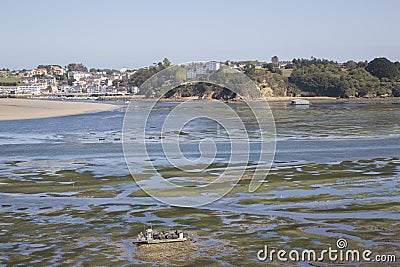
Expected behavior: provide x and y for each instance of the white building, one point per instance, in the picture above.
(135, 90)
(77, 75)
(40, 71)
(22, 89)
(8, 89)
(57, 70)
(190, 74)
(202, 68)
(213, 65)
(29, 89)
(28, 80)
(47, 79)
(93, 89)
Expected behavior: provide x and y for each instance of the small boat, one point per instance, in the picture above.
(300, 102)
(155, 237)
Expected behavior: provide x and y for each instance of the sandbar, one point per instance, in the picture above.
(22, 109)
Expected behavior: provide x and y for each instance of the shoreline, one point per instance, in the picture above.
(23, 109)
(271, 100)
(285, 100)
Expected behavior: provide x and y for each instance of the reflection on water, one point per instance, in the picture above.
(66, 196)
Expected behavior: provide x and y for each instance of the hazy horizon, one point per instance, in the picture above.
(118, 34)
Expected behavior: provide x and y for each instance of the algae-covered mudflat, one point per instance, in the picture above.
(67, 197)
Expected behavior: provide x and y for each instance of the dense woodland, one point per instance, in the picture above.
(380, 77)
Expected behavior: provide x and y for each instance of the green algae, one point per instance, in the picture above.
(80, 184)
(100, 234)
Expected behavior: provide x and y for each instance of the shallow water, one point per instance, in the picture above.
(67, 198)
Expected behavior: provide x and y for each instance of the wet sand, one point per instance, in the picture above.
(20, 109)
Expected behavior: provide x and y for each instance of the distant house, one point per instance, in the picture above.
(116, 76)
(9, 89)
(81, 83)
(77, 75)
(93, 89)
(47, 79)
(22, 89)
(39, 71)
(75, 89)
(64, 88)
(28, 80)
(57, 70)
(29, 89)
(94, 81)
(4, 73)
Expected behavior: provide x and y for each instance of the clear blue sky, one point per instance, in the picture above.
(131, 34)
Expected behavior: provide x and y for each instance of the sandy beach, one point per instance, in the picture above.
(20, 109)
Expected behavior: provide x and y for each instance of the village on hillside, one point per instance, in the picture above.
(76, 80)
(57, 81)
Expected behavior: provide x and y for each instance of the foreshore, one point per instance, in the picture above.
(21, 109)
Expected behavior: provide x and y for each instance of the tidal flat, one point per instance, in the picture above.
(67, 197)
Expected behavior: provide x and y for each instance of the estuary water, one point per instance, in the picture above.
(67, 196)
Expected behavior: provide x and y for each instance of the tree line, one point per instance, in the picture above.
(379, 77)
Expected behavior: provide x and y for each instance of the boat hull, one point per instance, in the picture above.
(300, 102)
(158, 241)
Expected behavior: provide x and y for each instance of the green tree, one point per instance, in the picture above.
(166, 62)
(249, 69)
(396, 90)
(350, 65)
(382, 68)
(289, 66)
(275, 61)
(115, 83)
(47, 67)
(70, 81)
(77, 67)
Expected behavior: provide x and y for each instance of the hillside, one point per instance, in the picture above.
(307, 77)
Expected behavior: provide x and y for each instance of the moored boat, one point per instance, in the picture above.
(150, 236)
(300, 102)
